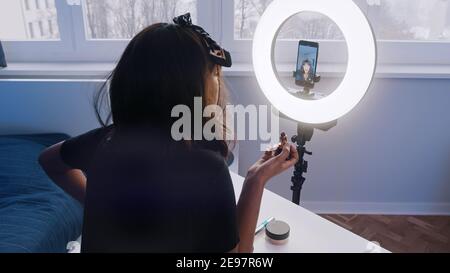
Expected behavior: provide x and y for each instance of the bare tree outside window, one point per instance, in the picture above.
(307, 25)
(426, 20)
(122, 19)
(423, 20)
(417, 20)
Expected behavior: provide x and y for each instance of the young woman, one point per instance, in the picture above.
(141, 190)
(307, 72)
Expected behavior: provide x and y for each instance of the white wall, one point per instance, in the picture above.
(43, 107)
(390, 155)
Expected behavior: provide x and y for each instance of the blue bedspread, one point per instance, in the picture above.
(35, 215)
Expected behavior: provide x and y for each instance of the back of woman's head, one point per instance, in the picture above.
(163, 66)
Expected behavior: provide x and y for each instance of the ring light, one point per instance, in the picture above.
(361, 59)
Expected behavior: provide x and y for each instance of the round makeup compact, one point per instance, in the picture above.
(277, 232)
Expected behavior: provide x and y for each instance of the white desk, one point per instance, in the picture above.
(310, 233)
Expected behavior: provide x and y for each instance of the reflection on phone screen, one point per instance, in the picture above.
(306, 64)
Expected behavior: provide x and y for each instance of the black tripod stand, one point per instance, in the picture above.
(305, 133)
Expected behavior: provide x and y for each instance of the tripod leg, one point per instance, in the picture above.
(304, 135)
(297, 179)
(297, 191)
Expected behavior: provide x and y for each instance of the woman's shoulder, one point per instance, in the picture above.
(95, 134)
(78, 151)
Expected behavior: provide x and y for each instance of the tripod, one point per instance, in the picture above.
(304, 134)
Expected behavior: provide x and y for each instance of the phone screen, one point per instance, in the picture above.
(307, 62)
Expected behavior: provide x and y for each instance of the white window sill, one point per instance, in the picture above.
(338, 70)
(99, 71)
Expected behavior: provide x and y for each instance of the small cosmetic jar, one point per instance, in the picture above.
(277, 232)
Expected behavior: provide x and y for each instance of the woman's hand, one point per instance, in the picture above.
(274, 162)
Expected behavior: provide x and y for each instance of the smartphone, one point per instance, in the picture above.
(308, 56)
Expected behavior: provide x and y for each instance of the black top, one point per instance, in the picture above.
(147, 193)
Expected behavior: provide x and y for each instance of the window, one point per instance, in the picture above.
(408, 31)
(16, 16)
(420, 20)
(239, 31)
(308, 25)
(391, 19)
(122, 19)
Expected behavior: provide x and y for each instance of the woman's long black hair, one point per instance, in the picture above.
(311, 72)
(163, 66)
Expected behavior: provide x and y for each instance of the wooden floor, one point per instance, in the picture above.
(400, 234)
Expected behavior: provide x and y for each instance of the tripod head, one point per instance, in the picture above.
(306, 92)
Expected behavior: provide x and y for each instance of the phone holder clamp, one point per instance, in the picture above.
(306, 92)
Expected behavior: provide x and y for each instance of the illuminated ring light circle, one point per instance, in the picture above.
(362, 55)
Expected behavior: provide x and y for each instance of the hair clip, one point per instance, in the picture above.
(217, 54)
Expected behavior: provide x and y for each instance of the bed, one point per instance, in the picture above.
(35, 215)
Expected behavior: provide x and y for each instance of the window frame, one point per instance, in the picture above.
(217, 16)
(88, 50)
(390, 52)
(73, 45)
(45, 50)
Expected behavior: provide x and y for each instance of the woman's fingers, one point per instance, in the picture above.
(272, 163)
(284, 155)
(294, 153)
(270, 152)
(292, 159)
